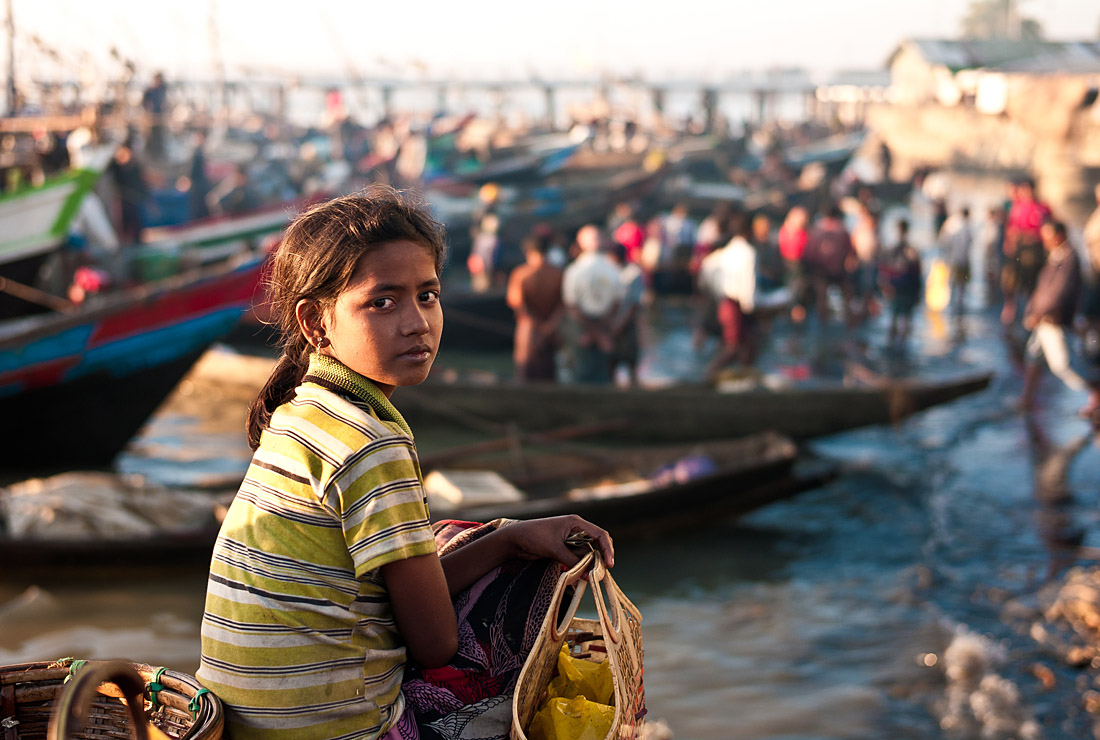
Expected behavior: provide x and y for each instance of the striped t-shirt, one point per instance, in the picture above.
(298, 638)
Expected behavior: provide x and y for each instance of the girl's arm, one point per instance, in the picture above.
(421, 588)
(526, 540)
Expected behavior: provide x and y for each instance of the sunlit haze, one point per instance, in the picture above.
(705, 39)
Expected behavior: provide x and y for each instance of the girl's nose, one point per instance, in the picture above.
(416, 321)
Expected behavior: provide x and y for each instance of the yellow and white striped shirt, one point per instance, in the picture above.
(298, 637)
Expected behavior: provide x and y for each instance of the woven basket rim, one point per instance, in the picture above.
(179, 696)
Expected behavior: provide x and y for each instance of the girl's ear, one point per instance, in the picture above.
(308, 314)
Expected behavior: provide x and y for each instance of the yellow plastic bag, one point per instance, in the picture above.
(937, 293)
(571, 719)
(579, 677)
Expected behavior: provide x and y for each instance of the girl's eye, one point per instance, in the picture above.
(382, 303)
(429, 296)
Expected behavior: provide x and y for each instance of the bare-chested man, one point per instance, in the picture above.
(534, 293)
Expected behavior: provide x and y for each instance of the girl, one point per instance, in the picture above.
(326, 573)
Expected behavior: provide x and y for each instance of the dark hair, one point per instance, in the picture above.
(738, 224)
(536, 241)
(832, 209)
(1058, 227)
(315, 261)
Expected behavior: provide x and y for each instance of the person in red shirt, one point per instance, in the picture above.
(829, 260)
(793, 236)
(1023, 248)
(628, 232)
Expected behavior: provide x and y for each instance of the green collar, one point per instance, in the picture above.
(334, 375)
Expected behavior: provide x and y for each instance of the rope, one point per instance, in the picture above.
(154, 687)
(75, 666)
(194, 705)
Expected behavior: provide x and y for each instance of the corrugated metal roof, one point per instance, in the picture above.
(860, 78)
(1012, 55)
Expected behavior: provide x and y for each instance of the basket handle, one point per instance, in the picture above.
(76, 698)
(612, 622)
(574, 575)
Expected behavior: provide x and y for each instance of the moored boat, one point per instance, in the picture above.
(35, 222)
(633, 490)
(77, 386)
(637, 488)
(686, 413)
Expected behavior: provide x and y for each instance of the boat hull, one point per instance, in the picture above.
(681, 414)
(77, 388)
(741, 475)
(748, 474)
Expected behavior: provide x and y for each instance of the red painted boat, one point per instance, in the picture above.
(75, 388)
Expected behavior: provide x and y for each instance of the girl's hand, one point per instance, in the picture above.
(545, 538)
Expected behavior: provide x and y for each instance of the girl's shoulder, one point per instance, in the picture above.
(346, 423)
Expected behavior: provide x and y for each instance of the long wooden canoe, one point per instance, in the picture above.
(643, 488)
(682, 413)
(630, 490)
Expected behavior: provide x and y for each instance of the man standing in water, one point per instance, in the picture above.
(624, 330)
(1090, 305)
(901, 281)
(534, 294)
(730, 275)
(831, 260)
(591, 292)
(956, 237)
(1049, 313)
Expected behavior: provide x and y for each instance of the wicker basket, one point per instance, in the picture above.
(615, 637)
(175, 703)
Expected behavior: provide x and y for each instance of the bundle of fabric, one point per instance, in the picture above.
(1071, 626)
(100, 506)
(498, 622)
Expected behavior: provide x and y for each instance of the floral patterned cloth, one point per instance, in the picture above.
(499, 618)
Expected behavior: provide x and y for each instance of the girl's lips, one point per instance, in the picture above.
(420, 354)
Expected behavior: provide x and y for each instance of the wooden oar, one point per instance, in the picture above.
(36, 296)
(510, 441)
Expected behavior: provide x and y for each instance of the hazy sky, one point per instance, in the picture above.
(487, 38)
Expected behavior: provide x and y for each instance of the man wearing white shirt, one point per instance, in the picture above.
(592, 292)
(956, 237)
(730, 274)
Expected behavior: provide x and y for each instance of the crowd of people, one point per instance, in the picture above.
(580, 308)
(579, 298)
(742, 271)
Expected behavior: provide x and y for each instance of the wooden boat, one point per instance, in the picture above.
(25, 559)
(657, 489)
(75, 387)
(638, 488)
(35, 221)
(536, 160)
(217, 237)
(684, 413)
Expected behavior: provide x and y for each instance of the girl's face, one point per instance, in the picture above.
(386, 323)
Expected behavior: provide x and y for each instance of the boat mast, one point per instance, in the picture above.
(219, 64)
(11, 58)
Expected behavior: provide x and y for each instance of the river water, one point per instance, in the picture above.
(826, 616)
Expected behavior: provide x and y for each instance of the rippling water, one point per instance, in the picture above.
(826, 616)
